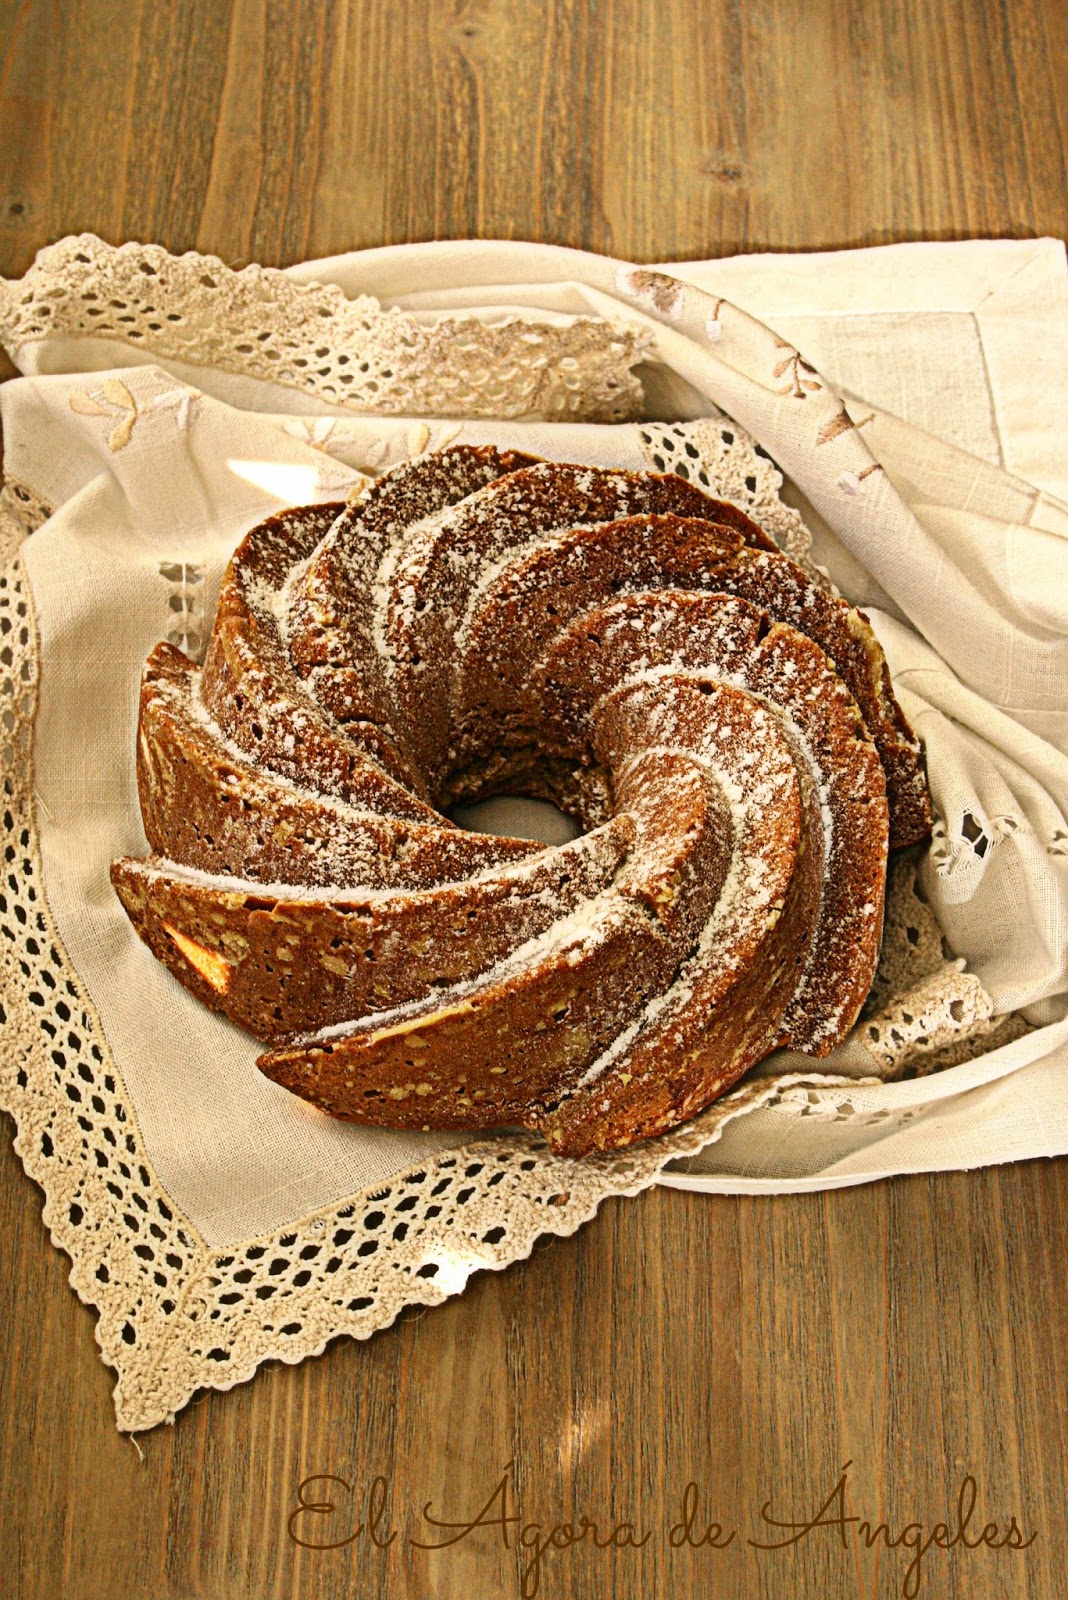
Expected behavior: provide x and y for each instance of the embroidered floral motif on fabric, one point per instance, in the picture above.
(121, 410)
(656, 290)
(801, 379)
(975, 837)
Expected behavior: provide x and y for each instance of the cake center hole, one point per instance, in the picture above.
(517, 816)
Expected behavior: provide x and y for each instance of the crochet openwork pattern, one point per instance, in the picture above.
(263, 324)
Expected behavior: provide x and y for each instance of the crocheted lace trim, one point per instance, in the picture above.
(718, 455)
(925, 1012)
(26, 511)
(263, 324)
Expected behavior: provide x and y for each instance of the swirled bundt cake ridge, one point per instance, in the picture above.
(479, 622)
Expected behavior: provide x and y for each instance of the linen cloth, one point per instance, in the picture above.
(153, 463)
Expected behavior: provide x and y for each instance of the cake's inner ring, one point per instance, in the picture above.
(516, 816)
(579, 788)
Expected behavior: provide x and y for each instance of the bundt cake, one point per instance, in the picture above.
(719, 722)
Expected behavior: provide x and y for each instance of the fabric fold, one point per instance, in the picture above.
(139, 455)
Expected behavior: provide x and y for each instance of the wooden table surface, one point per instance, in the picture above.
(917, 1328)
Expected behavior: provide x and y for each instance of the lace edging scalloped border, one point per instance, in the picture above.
(261, 323)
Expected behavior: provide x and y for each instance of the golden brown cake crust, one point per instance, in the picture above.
(724, 729)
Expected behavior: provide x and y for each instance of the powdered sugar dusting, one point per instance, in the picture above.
(476, 615)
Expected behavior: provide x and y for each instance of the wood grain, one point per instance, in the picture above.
(277, 130)
(918, 1328)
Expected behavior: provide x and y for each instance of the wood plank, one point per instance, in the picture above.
(260, 130)
(754, 1346)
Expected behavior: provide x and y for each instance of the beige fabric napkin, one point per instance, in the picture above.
(168, 405)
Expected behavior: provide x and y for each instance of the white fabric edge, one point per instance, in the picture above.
(780, 1186)
(1017, 291)
(919, 276)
